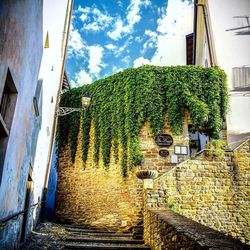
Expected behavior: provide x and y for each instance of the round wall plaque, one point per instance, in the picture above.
(164, 153)
(164, 140)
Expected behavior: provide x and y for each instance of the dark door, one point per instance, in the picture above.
(26, 210)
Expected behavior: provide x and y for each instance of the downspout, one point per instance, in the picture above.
(207, 33)
(195, 31)
(52, 142)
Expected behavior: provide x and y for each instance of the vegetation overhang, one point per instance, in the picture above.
(122, 103)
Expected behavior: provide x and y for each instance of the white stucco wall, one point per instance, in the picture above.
(54, 14)
(20, 52)
(232, 50)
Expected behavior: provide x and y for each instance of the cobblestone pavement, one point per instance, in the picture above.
(46, 236)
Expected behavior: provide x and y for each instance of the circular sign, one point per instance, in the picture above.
(164, 140)
(164, 153)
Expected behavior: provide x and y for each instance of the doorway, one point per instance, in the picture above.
(26, 210)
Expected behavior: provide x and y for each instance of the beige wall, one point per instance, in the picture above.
(102, 198)
(212, 193)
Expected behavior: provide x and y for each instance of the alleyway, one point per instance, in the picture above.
(47, 236)
(56, 236)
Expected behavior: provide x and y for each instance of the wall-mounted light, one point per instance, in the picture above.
(86, 98)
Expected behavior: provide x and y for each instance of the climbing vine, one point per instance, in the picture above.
(122, 103)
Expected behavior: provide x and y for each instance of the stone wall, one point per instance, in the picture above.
(95, 196)
(167, 230)
(150, 150)
(100, 197)
(212, 193)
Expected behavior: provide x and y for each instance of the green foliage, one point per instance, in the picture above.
(172, 206)
(122, 103)
(216, 149)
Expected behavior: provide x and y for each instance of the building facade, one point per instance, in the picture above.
(32, 53)
(222, 38)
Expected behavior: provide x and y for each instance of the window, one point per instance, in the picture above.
(241, 79)
(37, 99)
(189, 49)
(7, 109)
(181, 150)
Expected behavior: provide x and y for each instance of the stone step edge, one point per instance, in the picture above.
(93, 231)
(101, 234)
(105, 247)
(104, 240)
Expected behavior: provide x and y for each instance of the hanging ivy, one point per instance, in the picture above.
(122, 103)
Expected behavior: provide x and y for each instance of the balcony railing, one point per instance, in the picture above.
(241, 79)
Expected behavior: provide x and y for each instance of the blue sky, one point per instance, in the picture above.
(109, 36)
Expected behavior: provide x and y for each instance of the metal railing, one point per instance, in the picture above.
(4, 221)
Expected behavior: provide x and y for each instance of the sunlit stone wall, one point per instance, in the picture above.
(213, 193)
(97, 197)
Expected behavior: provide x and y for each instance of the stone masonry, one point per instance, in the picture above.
(97, 197)
(167, 230)
(150, 150)
(212, 193)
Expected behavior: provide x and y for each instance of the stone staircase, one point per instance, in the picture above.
(82, 238)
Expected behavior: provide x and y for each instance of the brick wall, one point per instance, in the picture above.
(215, 194)
(95, 196)
(98, 197)
(167, 230)
(150, 150)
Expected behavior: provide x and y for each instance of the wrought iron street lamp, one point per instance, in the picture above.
(86, 98)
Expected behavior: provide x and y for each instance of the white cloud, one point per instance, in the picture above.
(173, 26)
(140, 62)
(120, 4)
(93, 19)
(123, 48)
(82, 78)
(116, 69)
(151, 42)
(138, 39)
(95, 59)
(76, 45)
(150, 33)
(94, 26)
(80, 9)
(117, 32)
(83, 17)
(110, 46)
(133, 17)
(126, 59)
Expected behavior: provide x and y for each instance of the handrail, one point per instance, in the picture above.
(242, 142)
(13, 216)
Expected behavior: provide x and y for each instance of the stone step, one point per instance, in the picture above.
(84, 230)
(105, 246)
(83, 238)
(73, 226)
(102, 234)
(110, 240)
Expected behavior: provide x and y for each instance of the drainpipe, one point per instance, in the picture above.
(52, 142)
(195, 31)
(207, 32)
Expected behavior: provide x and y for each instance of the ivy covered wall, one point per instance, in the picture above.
(122, 103)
